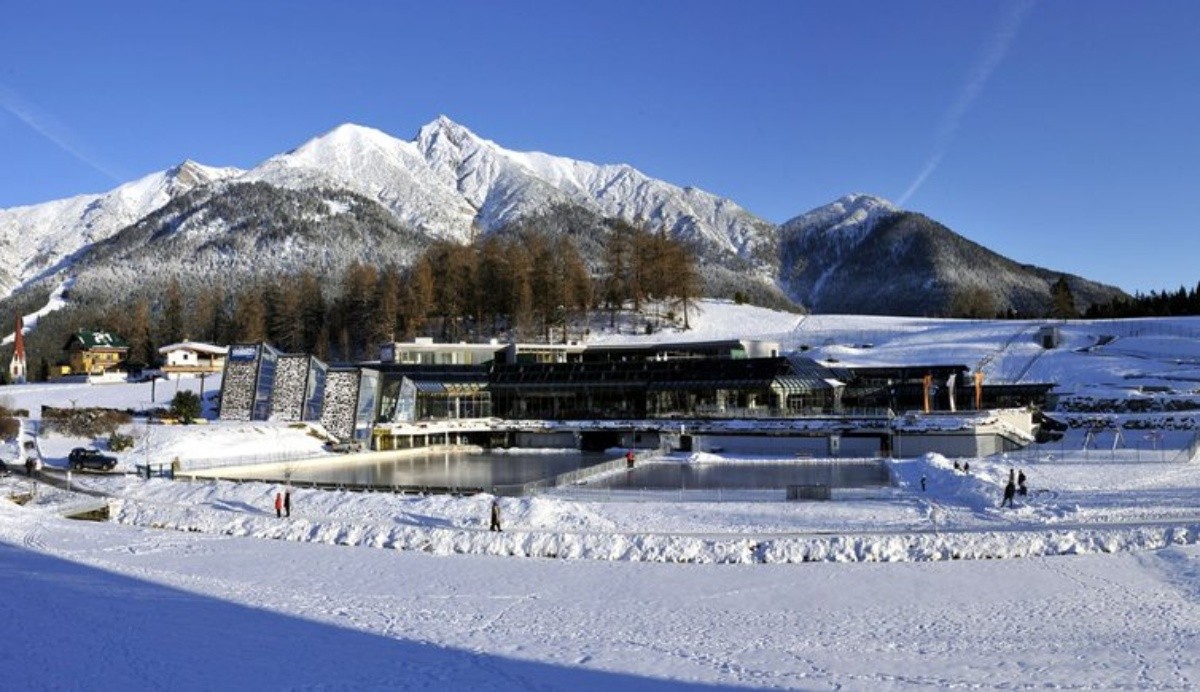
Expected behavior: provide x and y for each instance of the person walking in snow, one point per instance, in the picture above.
(1021, 489)
(287, 503)
(1009, 491)
(495, 526)
(922, 482)
(629, 458)
(278, 504)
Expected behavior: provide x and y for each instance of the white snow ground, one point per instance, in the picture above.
(1093, 581)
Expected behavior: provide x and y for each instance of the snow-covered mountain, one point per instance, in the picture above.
(34, 239)
(354, 183)
(861, 254)
(451, 183)
(447, 183)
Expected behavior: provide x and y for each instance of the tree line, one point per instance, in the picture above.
(519, 286)
(1177, 303)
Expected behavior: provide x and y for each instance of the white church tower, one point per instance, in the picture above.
(16, 369)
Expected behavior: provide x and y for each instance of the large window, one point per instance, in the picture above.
(368, 396)
(265, 383)
(315, 390)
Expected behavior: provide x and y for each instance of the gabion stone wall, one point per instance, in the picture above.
(341, 403)
(237, 390)
(287, 397)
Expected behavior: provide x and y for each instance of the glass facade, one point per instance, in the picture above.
(264, 383)
(314, 395)
(368, 397)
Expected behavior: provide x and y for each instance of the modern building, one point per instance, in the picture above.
(674, 388)
(299, 390)
(732, 349)
(351, 402)
(249, 382)
(704, 386)
(424, 351)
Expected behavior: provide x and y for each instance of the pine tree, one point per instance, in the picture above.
(173, 317)
(250, 316)
(1062, 300)
(616, 269)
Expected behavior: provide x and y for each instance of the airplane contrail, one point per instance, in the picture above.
(45, 126)
(987, 63)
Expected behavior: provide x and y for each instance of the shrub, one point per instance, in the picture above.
(186, 406)
(119, 443)
(84, 422)
(9, 427)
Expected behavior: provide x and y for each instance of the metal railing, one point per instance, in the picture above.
(562, 479)
(1139, 452)
(205, 464)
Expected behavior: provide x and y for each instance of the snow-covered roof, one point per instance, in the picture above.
(196, 346)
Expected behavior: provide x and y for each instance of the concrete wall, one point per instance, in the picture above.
(818, 446)
(237, 390)
(950, 444)
(341, 403)
(287, 397)
(547, 440)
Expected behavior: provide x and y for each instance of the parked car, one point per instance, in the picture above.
(84, 458)
(344, 447)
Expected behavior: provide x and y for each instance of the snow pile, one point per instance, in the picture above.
(956, 517)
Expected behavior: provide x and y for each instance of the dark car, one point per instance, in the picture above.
(83, 458)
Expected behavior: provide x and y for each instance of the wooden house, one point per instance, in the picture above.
(193, 357)
(95, 353)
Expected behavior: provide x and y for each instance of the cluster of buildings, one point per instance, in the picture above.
(422, 382)
(640, 390)
(103, 356)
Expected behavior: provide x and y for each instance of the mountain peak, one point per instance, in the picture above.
(441, 131)
(859, 200)
(855, 210)
(352, 132)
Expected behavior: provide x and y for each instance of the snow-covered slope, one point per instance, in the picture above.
(816, 243)
(861, 254)
(449, 182)
(505, 185)
(379, 167)
(36, 238)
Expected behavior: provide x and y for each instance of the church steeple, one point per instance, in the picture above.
(16, 369)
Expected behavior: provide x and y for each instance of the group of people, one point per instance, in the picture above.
(965, 468)
(283, 504)
(1016, 486)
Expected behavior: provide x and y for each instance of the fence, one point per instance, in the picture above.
(739, 481)
(568, 478)
(1102, 449)
(204, 464)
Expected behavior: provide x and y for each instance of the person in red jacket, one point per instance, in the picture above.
(279, 504)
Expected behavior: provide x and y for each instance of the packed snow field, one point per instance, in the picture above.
(1092, 579)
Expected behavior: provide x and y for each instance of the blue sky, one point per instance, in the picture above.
(1064, 134)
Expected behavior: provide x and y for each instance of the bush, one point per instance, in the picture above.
(186, 406)
(9, 427)
(84, 422)
(119, 443)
